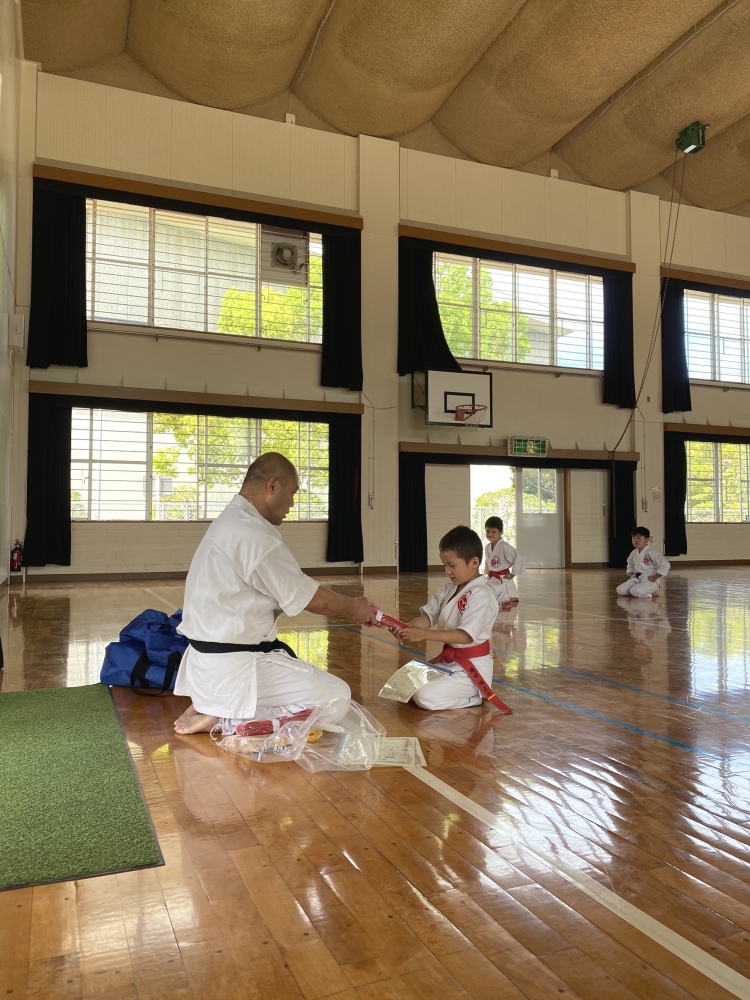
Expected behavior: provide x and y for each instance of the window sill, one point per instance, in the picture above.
(198, 336)
(725, 386)
(555, 370)
(691, 523)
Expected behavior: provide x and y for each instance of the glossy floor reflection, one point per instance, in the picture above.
(628, 755)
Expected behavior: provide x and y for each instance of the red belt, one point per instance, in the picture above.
(498, 574)
(463, 658)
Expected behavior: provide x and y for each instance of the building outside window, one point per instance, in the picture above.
(493, 311)
(718, 482)
(717, 336)
(179, 467)
(162, 269)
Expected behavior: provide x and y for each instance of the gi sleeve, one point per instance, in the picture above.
(661, 565)
(434, 605)
(517, 562)
(631, 562)
(279, 576)
(475, 615)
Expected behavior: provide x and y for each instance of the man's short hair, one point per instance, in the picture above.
(494, 522)
(463, 541)
(272, 465)
(640, 530)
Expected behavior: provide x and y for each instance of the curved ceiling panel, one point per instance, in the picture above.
(67, 34)
(227, 55)
(384, 68)
(551, 67)
(719, 176)
(707, 80)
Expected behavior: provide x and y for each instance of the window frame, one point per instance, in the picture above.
(149, 328)
(717, 480)
(715, 337)
(477, 310)
(255, 448)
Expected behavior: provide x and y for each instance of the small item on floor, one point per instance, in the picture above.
(401, 751)
(353, 743)
(409, 679)
(388, 621)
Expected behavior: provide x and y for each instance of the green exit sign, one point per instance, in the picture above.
(527, 446)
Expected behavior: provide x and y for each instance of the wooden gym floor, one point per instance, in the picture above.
(595, 844)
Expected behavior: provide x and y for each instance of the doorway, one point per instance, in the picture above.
(539, 517)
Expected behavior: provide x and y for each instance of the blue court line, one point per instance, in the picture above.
(563, 704)
(613, 722)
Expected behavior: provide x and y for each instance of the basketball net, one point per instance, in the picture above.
(470, 415)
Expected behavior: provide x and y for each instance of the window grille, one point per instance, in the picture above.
(717, 336)
(718, 482)
(181, 467)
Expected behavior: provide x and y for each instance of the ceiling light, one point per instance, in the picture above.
(692, 138)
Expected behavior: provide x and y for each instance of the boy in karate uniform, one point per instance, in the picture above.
(460, 616)
(502, 563)
(646, 567)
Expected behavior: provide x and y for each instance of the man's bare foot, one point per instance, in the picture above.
(194, 722)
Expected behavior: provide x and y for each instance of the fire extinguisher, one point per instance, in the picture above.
(15, 557)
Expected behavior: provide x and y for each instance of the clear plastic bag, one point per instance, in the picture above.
(350, 743)
(409, 679)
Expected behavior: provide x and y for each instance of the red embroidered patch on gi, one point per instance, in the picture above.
(646, 560)
(495, 561)
(463, 601)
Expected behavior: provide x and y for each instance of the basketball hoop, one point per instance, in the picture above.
(470, 415)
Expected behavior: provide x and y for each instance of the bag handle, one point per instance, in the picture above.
(138, 675)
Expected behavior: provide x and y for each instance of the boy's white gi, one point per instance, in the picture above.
(241, 579)
(642, 565)
(503, 558)
(474, 610)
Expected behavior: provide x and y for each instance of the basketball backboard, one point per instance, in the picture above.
(444, 391)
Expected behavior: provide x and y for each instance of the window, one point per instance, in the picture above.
(718, 481)
(511, 312)
(178, 467)
(717, 336)
(539, 491)
(191, 272)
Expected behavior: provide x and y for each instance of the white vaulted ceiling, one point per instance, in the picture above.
(595, 88)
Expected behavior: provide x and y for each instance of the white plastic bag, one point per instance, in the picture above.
(409, 679)
(351, 743)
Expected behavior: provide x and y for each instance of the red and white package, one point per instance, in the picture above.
(266, 727)
(388, 621)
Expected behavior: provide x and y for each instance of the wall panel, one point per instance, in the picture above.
(448, 501)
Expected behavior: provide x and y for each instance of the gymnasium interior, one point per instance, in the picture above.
(455, 261)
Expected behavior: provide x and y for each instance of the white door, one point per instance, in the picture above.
(589, 521)
(539, 517)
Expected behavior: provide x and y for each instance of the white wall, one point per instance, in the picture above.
(100, 129)
(10, 73)
(448, 497)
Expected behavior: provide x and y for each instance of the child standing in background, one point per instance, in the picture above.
(502, 563)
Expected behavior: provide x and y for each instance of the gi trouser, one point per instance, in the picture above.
(638, 585)
(283, 691)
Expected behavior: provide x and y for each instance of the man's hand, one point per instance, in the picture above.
(362, 611)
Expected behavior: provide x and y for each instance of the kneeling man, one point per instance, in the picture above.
(241, 579)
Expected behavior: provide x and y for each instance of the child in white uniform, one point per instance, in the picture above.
(646, 567)
(502, 563)
(461, 614)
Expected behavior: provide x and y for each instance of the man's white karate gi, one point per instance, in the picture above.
(241, 579)
(474, 610)
(502, 558)
(643, 564)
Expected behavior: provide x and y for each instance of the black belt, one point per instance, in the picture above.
(238, 647)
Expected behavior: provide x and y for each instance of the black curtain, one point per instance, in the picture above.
(675, 491)
(344, 493)
(618, 384)
(675, 381)
(421, 341)
(57, 317)
(48, 484)
(412, 516)
(621, 512)
(341, 363)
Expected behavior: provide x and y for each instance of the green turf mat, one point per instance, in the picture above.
(70, 801)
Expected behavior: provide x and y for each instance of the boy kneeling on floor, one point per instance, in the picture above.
(460, 616)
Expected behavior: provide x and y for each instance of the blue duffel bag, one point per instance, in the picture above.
(147, 656)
